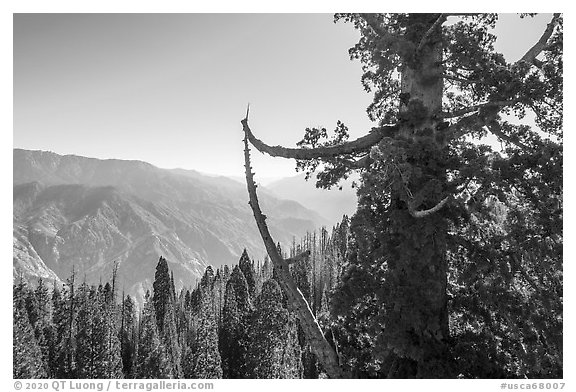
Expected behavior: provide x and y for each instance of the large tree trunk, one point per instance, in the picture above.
(417, 322)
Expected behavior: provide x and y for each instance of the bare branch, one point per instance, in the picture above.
(496, 129)
(539, 46)
(470, 109)
(258, 215)
(374, 24)
(312, 331)
(458, 79)
(441, 19)
(359, 145)
(297, 258)
(423, 213)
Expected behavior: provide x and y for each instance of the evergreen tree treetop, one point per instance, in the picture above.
(247, 267)
(162, 290)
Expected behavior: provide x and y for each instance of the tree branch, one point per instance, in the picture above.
(458, 79)
(441, 19)
(359, 145)
(495, 128)
(534, 51)
(312, 331)
(423, 213)
(374, 24)
(470, 109)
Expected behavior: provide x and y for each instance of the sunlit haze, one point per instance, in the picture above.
(171, 89)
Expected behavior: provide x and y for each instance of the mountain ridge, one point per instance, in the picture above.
(89, 213)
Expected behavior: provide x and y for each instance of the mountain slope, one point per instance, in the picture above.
(89, 213)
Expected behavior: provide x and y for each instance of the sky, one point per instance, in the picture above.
(171, 89)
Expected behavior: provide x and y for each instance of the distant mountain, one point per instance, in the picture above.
(331, 204)
(86, 213)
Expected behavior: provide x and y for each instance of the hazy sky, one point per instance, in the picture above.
(171, 89)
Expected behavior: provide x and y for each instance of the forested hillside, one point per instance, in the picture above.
(77, 212)
(234, 324)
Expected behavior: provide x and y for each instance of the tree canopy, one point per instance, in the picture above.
(457, 244)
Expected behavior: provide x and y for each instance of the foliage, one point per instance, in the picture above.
(273, 350)
(495, 250)
(151, 360)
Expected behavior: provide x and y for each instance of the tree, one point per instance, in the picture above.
(151, 358)
(171, 341)
(128, 331)
(164, 304)
(112, 355)
(247, 268)
(232, 340)
(36, 304)
(227, 339)
(219, 291)
(97, 343)
(26, 353)
(273, 349)
(204, 360)
(427, 181)
(162, 293)
(90, 339)
(64, 319)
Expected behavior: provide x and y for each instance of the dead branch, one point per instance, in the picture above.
(458, 79)
(534, 51)
(495, 128)
(470, 109)
(359, 145)
(374, 24)
(423, 213)
(441, 19)
(312, 331)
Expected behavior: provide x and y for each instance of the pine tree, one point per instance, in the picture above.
(162, 290)
(273, 349)
(128, 330)
(64, 320)
(151, 359)
(98, 347)
(112, 355)
(218, 293)
(43, 328)
(301, 271)
(37, 305)
(237, 308)
(171, 340)
(89, 338)
(164, 302)
(228, 342)
(266, 269)
(26, 353)
(204, 359)
(247, 268)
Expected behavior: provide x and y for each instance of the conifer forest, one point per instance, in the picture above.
(451, 266)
